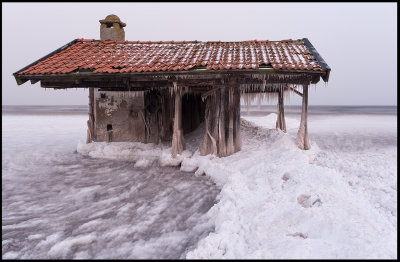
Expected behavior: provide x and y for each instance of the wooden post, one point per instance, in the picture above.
(209, 145)
(230, 147)
(222, 116)
(205, 146)
(178, 143)
(302, 134)
(222, 149)
(236, 128)
(90, 122)
(280, 121)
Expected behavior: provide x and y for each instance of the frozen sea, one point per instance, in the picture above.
(57, 203)
(269, 200)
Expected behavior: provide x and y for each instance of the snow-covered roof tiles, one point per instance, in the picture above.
(105, 56)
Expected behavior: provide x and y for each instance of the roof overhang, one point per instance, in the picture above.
(152, 76)
(156, 79)
(319, 58)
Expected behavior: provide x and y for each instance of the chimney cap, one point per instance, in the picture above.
(110, 19)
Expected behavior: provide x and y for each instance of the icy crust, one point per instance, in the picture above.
(144, 155)
(276, 202)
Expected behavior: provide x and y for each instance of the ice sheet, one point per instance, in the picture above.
(337, 200)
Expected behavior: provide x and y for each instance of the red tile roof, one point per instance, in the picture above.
(108, 56)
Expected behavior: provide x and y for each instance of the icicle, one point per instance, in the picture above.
(264, 83)
(259, 97)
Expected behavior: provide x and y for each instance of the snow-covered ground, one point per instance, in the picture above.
(336, 200)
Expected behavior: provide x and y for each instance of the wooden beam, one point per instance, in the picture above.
(56, 85)
(177, 74)
(245, 75)
(315, 79)
(210, 92)
(297, 92)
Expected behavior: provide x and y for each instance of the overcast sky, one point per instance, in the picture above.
(357, 40)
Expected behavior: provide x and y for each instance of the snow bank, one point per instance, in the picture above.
(144, 155)
(278, 201)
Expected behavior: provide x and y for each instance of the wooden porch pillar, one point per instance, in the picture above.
(90, 123)
(178, 143)
(236, 128)
(222, 148)
(280, 121)
(234, 141)
(209, 145)
(222, 116)
(302, 134)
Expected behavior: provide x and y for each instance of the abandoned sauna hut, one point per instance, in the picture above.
(158, 91)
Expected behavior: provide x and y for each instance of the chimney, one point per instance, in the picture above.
(112, 28)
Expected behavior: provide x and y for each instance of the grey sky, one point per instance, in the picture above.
(357, 40)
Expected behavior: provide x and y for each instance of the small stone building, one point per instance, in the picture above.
(159, 91)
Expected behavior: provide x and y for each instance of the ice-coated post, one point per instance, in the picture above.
(280, 121)
(302, 134)
(178, 143)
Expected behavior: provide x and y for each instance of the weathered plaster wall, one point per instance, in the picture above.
(124, 111)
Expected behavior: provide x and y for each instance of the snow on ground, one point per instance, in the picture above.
(337, 200)
(280, 202)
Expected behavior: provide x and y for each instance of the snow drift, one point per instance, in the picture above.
(278, 201)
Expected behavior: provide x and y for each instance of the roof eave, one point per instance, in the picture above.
(18, 78)
(326, 76)
(77, 75)
(319, 58)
